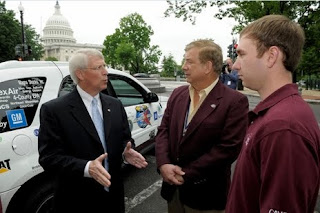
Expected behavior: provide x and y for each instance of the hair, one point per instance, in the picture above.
(80, 61)
(280, 31)
(209, 51)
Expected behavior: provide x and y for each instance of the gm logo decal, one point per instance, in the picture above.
(5, 166)
(16, 118)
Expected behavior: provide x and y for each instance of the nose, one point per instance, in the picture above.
(105, 71)
(236, 65)
(184, 67)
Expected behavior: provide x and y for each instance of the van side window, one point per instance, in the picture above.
(19, 100)
(126, 90)
(67, 86)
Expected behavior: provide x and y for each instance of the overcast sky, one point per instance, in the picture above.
(92, 21)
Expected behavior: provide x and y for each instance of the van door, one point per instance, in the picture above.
(141, 115)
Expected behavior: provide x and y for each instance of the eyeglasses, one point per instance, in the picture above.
(103, 66)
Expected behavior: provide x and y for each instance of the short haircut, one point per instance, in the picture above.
(280, 31)
(209, 51)
(80, 60)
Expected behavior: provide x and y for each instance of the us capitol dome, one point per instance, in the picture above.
(58, 38)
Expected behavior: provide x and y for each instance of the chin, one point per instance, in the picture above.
(104, 86)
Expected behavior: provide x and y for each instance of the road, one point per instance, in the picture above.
(142, 187)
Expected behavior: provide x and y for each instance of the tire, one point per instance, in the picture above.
(33, 198)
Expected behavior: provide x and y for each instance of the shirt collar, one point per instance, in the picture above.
(205, 90)
(86, 96)
(277, 96)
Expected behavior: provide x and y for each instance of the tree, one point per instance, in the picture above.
(50, 58)
(10, 33)
(306, 13)
(33, 40)
(11, 36)
(169, 67)
(129, 47)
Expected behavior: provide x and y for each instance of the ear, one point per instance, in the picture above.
(79, 74)
(208, 66)
(273, 56)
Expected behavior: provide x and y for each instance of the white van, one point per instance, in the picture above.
(24, 86)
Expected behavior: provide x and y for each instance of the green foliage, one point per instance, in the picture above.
(129, 47)
(10, 36)
(50, 58)
(306, 13)
(10, 33)
(170, 67)
(33, 39)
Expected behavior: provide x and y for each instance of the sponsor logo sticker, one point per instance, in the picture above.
(155, 116)
(36, 132)
(143, 116)
(16, 118)
(5, 166)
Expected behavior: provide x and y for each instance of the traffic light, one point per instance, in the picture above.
(235, 55)
(18, 51)
(29, 52)
(230, 51)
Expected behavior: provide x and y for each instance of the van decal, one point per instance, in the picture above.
(3, 125)
(155, 116)
(16, 118)
(36, 167)
(36, 132)
(143, 116)
(9, 91)
(5, 166)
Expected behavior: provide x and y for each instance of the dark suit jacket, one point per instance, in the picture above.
(68, 140)
(211, 144)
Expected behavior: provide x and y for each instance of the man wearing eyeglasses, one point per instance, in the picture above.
(83, 138)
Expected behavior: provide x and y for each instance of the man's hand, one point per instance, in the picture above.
(172, 174)
(133, 157)
(98, 172)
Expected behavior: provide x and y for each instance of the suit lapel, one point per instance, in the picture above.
(80, 113)
(106, 110)
(207, 107)
(183, 101)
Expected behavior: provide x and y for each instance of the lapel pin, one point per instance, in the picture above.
(213, 106)
(109, 110)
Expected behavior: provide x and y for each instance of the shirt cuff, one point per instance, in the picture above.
(86, 170)
(124, 159)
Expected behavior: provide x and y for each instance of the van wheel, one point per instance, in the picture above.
(35, 198)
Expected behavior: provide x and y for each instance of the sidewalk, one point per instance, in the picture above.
(311, 96)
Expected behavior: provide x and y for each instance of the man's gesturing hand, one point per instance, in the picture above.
(133, 157)
(98, 172)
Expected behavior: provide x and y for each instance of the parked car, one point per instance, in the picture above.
(24, 87)
(141, 75)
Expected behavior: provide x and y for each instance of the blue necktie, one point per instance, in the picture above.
(98, 123)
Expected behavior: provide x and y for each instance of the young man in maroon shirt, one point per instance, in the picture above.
(278, 167)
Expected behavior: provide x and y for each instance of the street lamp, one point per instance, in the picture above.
(21, 9)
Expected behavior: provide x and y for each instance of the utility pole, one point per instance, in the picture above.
(24, 47)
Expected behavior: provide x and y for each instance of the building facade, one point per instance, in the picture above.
(58, 40)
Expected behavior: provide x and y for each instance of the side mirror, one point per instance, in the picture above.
(151, 97)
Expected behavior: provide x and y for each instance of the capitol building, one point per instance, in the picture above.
(58, 40)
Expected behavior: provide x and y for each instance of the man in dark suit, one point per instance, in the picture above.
(84, 154)
(200, 135)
